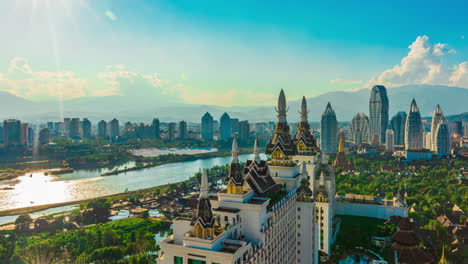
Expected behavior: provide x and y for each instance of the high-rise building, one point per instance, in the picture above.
(389, 140)
(427, 140)
(114, 129)
(74, 128)
(237, 225)
(465, 128)
(360, 128)
(378, 109)
(1, 134)
(329, 130)
(235, 125)
(171, 130)
(24, 134)
(442, 138)
(225, 127)
(414, 130)
(437, 118)
(183, 132)
(156, 128)
(50, 125)
(66, 128)
(397, 124)
(102, 129)
(86, 127)
(244, 131)
(207, 128)
(44, 136)
(11, 133)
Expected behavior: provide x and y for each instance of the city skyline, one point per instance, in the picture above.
(226, 54)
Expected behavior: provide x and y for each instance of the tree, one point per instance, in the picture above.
(23, 222)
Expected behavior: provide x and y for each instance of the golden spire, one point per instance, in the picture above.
(443, 260)
(341, 144)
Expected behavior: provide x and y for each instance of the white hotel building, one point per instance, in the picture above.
(275, 211)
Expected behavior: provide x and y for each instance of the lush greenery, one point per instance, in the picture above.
(358, 231)
(428, 184)
(125, 241)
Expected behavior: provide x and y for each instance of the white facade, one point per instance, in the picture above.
(389, 140)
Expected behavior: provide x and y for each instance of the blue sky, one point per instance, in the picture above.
(227, 53)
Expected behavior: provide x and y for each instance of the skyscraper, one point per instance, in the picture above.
(329, 131)
(378, 109)
(389, 140)
(442, 139)
(24, 134)
(86, 127)
(11, 133)
(207, 129)
(74, 128)
(182, 130)
(414, 130)
(437, 118)
(114, 129)
(225, 127)
(66, 122)
(156, 128)
(397, 124)
(44, 136)
(102, 129)
(244, 131)
(171, 130)
(235, 125)
(360, 128)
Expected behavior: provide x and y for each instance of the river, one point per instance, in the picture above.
(40, 189)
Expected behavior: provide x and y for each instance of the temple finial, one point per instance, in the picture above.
(281, 108)
(235, 151)
(204, 186)
(303, 111)
(256, 151)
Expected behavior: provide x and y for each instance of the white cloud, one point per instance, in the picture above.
(424, 64)
(345, 82)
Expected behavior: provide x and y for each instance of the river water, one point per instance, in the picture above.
(40, 189)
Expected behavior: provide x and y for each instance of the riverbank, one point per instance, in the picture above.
(154, 162)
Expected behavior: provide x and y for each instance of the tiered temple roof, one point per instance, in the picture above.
(405, 245)
(203, 214)
(304, 140)
(235, 171)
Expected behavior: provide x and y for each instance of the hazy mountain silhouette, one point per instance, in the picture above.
(346, 104)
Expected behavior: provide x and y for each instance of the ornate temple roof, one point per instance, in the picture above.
(258, 177)
(405, 245)
(235, 171)
(203, 213)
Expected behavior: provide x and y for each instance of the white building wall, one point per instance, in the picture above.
(369, 210)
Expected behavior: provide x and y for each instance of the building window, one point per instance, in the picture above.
(299, 209)
(178, 260)
(196, 261)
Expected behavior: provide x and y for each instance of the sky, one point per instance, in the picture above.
(229, 53)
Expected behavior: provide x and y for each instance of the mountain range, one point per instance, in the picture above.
(346, 104)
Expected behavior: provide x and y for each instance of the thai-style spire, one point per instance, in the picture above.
(322, 179)
(341, 144)
(281, 109)
(235, 151)
(304, 191)
(256, 152)
(443, 260)
(304, 111)
(204, 185)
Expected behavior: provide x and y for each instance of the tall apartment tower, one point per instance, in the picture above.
(225, 127)
(156, 128)
(86, 127)
(74, 128)
(207, 128)
(102, 129)
(114, 129)
(360, 128)
(389, 140)
(183, 133)
(414, 130)
(24, 134)
(437, 118)
(378, 110)
(397, 124)
(442, 138)
(66, 123)
(244, 131)
(329, 131)
(171, 130)
(11, 133)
